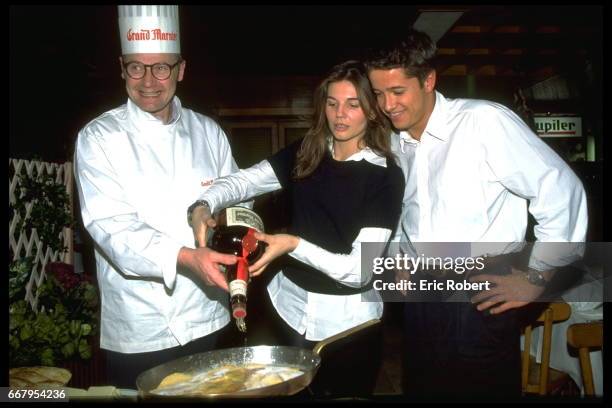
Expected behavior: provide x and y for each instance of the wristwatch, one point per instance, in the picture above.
(193, 207)
(535, 277)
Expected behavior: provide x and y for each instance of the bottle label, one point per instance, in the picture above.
(238, 287)
(243, 216)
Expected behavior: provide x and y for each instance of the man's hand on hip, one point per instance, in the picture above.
(508, 292)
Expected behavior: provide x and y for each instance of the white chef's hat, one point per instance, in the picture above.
(149, 29)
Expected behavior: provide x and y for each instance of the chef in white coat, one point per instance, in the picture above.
(137, 168)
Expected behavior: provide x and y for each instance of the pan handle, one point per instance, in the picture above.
(323, 343)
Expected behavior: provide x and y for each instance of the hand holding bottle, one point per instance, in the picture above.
(278, 245)
(205, 263)
(200, 220)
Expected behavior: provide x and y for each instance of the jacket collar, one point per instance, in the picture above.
(141, 118)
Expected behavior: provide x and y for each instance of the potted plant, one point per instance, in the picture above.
(66, 320)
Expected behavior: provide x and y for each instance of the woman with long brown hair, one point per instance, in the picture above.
(344, 189)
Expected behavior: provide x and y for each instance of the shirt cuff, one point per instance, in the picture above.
(550, 255)
(304, 250)
(169, 256)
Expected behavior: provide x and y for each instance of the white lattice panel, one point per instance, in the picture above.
(27, 243)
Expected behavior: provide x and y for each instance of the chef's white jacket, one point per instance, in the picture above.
(136, 176)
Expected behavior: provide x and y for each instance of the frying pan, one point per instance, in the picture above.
(306, 360)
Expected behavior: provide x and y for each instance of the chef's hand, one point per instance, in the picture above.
(278, 244)
(201, 220)
(506, 292)
(204, 262)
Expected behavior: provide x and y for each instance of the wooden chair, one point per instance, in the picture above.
(585, 336)
(539, 378)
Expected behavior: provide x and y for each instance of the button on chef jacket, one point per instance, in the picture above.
(136, 176)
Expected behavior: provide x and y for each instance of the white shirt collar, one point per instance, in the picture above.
(436, 125)
(141, 117)
(364, 154)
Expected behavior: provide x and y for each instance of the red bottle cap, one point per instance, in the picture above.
(239, 312)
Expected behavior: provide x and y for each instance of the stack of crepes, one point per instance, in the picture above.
(225, 379)
(38, 377)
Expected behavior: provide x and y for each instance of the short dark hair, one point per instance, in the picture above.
(415, 53)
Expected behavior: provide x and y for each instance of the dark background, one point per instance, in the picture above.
(64, 59)
(64, 67)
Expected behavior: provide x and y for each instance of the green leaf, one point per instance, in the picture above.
(14, 342)
(68, 350)
(26, 332)
(19, 307)
(47, 358)
(86, 329)
(19, 314)
(90, 295)
(75, 328)
(19, 274)
(43, 323)
(63, 337)
(84, 349)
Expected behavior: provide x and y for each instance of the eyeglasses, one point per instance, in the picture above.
(160, 70)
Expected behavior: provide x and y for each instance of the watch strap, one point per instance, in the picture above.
(193, 206)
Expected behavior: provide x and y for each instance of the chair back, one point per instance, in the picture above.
(586, 336)
(554, 312)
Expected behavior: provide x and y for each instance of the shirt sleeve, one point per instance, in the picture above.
(345, 268)
(268, 175)
(529, 168)
(134, 247)
(242, 185)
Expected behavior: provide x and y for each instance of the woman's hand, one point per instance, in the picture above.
(278, 244)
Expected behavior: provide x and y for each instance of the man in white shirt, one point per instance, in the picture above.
(137, 168)
(473, 168)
